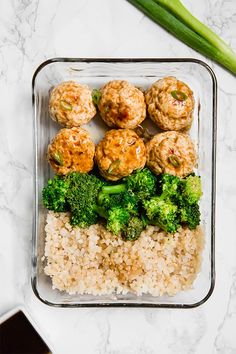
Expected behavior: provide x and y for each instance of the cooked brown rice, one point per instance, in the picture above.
(94, 261)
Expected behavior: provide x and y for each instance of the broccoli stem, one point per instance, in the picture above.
(119, 188)
(156, 222)
(145, 220)
(100, 211)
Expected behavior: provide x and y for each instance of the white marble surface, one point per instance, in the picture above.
(32, 31)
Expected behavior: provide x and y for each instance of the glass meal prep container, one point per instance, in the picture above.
(141, 73)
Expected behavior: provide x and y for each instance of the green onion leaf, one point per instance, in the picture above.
(174, 160)
(66, 105)
(57, 157)
(113, 166)
(179, 95)
(96, 96)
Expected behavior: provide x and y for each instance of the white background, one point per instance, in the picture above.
(32, 31)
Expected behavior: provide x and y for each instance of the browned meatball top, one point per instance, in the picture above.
(122, 105)
(71, 104)
(171, 152)
(170, 104)
(119, 153)
(71, 150)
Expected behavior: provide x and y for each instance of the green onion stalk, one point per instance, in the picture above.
(176, 19)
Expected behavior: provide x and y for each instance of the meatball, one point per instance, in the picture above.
(171, 152)
(122, 105)
(170, 104)
(71, 104)
(71, 150)
(119, 153)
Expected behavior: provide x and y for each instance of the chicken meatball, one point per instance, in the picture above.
(71, 104)
(119, 153)
(71, 150)
(170, 104)
(122, 105)
(171, 152)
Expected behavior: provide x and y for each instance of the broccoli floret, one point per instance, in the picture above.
(126, 200)
(82, 198)
(169, 186)
(162, 213)
(108, 201)
(142, 183)
(142, 199)
(54, 194)
(154, 205)
(177, 203)
(190, 215)
(117, 219)
(192, 189)
(116, 209)
(115, 215)
(171, 227)
(133, 229)
(138, 186)
(75, 192)
(129, 201)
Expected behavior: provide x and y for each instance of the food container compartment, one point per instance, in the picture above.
(142, 73)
